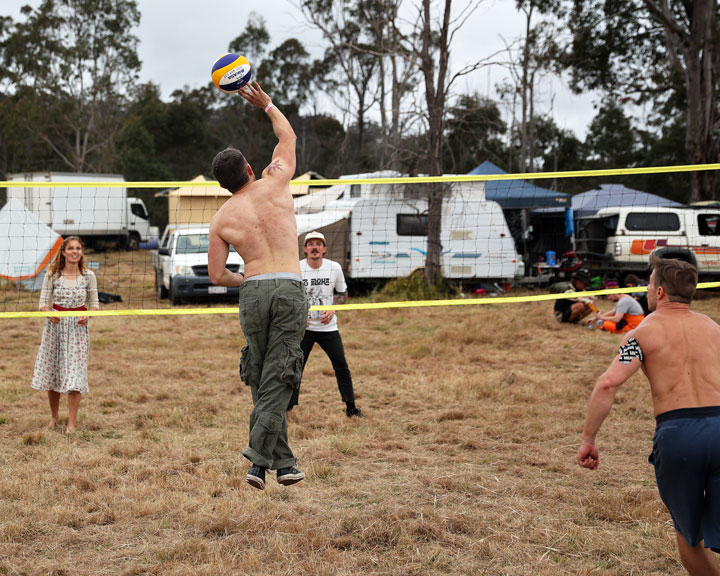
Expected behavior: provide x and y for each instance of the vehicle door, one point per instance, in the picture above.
(705, 240)
(138, 218)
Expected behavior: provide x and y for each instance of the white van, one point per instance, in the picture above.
(621, 239)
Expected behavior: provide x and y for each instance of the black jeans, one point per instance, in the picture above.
(332, 344)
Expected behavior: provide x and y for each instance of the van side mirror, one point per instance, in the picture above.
(164, 252)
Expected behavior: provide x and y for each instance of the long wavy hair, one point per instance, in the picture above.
(58, 265)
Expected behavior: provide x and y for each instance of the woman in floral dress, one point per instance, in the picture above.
(61, 365)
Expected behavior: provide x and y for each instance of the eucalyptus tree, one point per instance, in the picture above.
(73, 63)
(661, 53)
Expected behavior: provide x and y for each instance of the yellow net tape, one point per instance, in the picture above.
(399, 180)
(341, 307)
(333, 182)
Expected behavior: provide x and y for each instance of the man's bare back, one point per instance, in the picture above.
(259, 219)
(260, 223)
(681, 350)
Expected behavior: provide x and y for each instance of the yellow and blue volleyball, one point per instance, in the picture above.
(231, 72)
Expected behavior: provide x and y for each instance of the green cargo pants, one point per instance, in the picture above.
(273, 315)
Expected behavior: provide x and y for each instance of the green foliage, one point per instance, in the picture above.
(611, 139)
(474, 134)
(73, 63)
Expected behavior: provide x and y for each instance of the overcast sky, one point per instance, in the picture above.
(180, 40)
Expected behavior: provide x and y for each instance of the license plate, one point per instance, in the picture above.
(217, 290)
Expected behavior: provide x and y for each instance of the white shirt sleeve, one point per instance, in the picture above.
(92, 291)
(340, 285)
(46, 295)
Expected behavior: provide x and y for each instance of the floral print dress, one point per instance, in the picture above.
(61, 363)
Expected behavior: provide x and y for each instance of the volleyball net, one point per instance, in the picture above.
(147, 242)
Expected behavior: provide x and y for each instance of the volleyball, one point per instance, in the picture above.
(231, 72)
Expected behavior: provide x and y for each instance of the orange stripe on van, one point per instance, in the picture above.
(642, 247)
(48, 258)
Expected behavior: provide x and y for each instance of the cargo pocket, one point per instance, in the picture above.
(250, 316)
(291, 314)
(244, 359)
(292, 369)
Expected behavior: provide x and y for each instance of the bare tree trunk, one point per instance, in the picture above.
(435, 94)
(526, 94)
(701, 80)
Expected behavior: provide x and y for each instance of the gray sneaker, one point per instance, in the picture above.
(288, 476)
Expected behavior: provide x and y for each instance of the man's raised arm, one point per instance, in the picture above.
(283, 160)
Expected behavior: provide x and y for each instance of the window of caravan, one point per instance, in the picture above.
(412, 225)
(652, 222)
(709, 224)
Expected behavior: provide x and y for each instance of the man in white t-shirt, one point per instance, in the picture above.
(325, 285)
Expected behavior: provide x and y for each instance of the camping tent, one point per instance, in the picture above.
(26, 245)
(518, 194)
(195, 204)
(606, 195)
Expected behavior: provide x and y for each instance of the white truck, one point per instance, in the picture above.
(618, 241)
(101, 215)
(181, 265)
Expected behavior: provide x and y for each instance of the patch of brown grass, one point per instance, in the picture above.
(463, 464)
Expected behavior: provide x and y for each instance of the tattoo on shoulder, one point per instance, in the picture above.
(274, 165)
(629, 351)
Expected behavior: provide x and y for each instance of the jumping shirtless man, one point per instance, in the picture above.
(259, 221)
(678, 350)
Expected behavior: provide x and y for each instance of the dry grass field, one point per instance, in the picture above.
(463, 464)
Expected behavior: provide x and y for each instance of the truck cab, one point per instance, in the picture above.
(181, 265)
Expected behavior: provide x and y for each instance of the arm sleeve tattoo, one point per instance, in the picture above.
(629, 351)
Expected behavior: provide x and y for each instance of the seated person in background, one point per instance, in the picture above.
(626, 315)
(630, 282)
(572, 310)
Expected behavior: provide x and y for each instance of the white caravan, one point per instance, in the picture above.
(380, 231)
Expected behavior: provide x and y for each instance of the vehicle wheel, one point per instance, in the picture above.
(162, 292)
(133, 241)
(174, 298)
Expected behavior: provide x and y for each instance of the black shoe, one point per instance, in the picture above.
(353, 412)
(256, 477)
(287, 476)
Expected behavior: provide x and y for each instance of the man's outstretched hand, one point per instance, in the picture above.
(255, 95)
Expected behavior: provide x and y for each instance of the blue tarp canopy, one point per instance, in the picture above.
(518, 193)
(606, 195)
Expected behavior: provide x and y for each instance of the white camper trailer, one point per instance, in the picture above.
(99, 214)
(383, 230)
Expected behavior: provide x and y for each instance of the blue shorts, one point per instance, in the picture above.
(686, 457)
